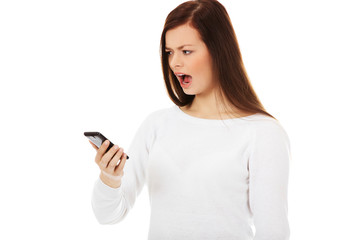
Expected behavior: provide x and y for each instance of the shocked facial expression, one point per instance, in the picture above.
(190, 60)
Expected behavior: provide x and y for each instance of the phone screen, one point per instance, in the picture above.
(97, 138)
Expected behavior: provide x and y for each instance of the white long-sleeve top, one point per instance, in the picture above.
(206, 178)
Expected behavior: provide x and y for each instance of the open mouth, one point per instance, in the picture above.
(184, 78)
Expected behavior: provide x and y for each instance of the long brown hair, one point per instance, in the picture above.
(211, 20)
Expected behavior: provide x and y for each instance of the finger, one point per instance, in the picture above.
(101, 151)
(108, 156)
(119, 168)
(93, 145)
(114, 161)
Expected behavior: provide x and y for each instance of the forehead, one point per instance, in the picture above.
(183, 34)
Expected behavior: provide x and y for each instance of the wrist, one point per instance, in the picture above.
(109, 180)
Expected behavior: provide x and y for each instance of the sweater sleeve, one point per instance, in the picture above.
(111, 205)
(269, 163)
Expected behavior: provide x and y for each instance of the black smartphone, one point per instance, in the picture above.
(97, 138)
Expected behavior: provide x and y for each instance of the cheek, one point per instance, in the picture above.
(202, 67)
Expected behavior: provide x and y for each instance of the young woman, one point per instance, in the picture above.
(216, 163)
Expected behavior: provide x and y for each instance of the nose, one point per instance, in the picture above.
(175, 61)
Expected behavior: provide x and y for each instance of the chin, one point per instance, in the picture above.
(189, 92)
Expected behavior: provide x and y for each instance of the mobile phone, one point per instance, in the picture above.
(97, 138)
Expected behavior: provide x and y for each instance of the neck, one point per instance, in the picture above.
(207, 105)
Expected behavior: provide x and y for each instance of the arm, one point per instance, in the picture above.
(111, 205)
(268, 182)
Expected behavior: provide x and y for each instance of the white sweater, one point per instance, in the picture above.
(206, 178)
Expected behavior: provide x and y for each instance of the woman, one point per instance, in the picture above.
(216, 163)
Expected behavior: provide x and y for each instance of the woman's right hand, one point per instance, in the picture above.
(111, 170)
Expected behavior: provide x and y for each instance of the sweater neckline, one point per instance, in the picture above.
(213, 122)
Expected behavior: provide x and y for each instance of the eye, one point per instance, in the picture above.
(167, 52)
(186, 51)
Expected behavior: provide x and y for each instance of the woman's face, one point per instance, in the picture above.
(188, 54)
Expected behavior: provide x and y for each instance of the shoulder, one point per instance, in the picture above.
(268, 129)
(261, 122)
(158, 117)
(270, 143)
(159, 114)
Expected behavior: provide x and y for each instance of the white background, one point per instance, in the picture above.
(72, 66)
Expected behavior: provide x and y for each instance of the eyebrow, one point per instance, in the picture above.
(181, 46)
